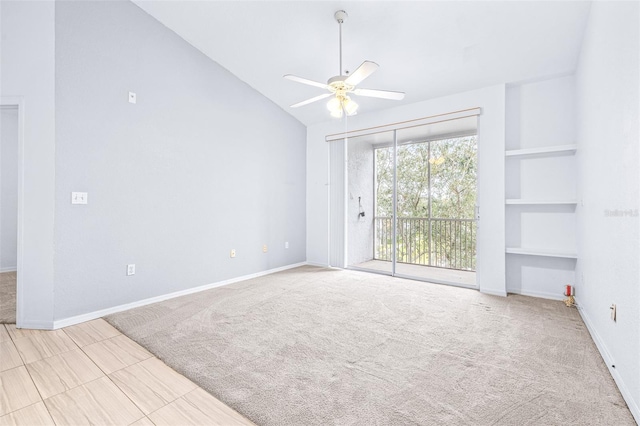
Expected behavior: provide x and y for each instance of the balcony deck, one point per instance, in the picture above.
(427, 273)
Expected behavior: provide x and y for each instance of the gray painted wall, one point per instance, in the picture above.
(8, 189)
(608, 127)
(28, 72)
(200, 165)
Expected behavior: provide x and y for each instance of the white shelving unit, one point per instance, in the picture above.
(541, 252)
(541, 195)
(521, 202)
(542, 151)
(524, 154)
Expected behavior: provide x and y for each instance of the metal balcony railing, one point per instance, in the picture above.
(444, 243)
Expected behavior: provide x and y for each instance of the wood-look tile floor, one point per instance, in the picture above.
(91, 374)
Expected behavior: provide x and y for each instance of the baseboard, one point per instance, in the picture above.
(66, 322)
(8, 269)
(494, 292)
(321, 265)
(626, 394)
(539, 294)
(36, 325)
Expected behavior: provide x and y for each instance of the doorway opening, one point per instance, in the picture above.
(9, 187)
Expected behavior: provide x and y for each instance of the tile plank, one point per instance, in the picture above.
(9, 357)
(19, 333)
(91, 332)
(33, 415)
(197, 408)
(116, 353)
(62, 372)
(4, 334)
(143, 422)
(99, 402)
(17, 390)
(151, 384)
(43, 345)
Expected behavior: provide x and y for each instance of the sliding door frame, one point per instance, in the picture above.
(395, 127)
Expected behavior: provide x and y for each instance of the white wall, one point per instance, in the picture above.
(491, 188)
(607, 83)
(541, 114)
(360, 176)
(27, 71)
(8, 189)
(200, 165)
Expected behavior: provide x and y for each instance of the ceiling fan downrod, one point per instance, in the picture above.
(340, 16)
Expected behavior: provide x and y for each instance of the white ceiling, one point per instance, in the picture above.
(424, 48)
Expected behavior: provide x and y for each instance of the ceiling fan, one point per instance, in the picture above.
(341, 86)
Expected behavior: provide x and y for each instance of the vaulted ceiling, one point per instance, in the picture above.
(426, 49)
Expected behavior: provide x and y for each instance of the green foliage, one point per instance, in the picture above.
(448, 168)
(453, 179)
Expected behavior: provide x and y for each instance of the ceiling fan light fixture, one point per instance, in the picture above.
(334, 105)
(350, 107)
(341, 105)
(341, 85)
(336, 113)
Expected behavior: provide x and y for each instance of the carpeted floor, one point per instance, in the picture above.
(314, 346)
(8, 298)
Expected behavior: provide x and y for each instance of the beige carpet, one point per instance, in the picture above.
(8, 298)
(313, 346)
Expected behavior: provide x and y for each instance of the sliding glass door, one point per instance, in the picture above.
(436, 197)
(410, 202)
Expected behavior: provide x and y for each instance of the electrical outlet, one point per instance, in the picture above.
(264, 248)
(613, 312)
(131, 269)
(79, 198)
(286, 244)
(232, 253)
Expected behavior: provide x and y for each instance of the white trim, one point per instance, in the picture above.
(405, 124)
(66, 322)
(542, 151)
(539, 294)
(494, 292)
(436, 281)
(320, 265)
(19, 103)
(37, 325)
(9, 269)
(608, 360)
(540, 252)
(525, 202)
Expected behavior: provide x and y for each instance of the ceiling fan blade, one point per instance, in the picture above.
(383, 94)
(363, 71)
(306, 81)
(308, 101)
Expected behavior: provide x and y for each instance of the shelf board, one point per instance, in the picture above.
(519, 201)
(541, 252)
(542, 151)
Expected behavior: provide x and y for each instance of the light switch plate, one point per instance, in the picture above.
(79, 198)
(613, 312)
(131, 269)
(132, 98)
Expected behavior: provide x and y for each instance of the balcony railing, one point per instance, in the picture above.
(444, 243)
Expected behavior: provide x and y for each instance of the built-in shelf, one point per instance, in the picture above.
(518, 201)
(542, 151)
(541, 252)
